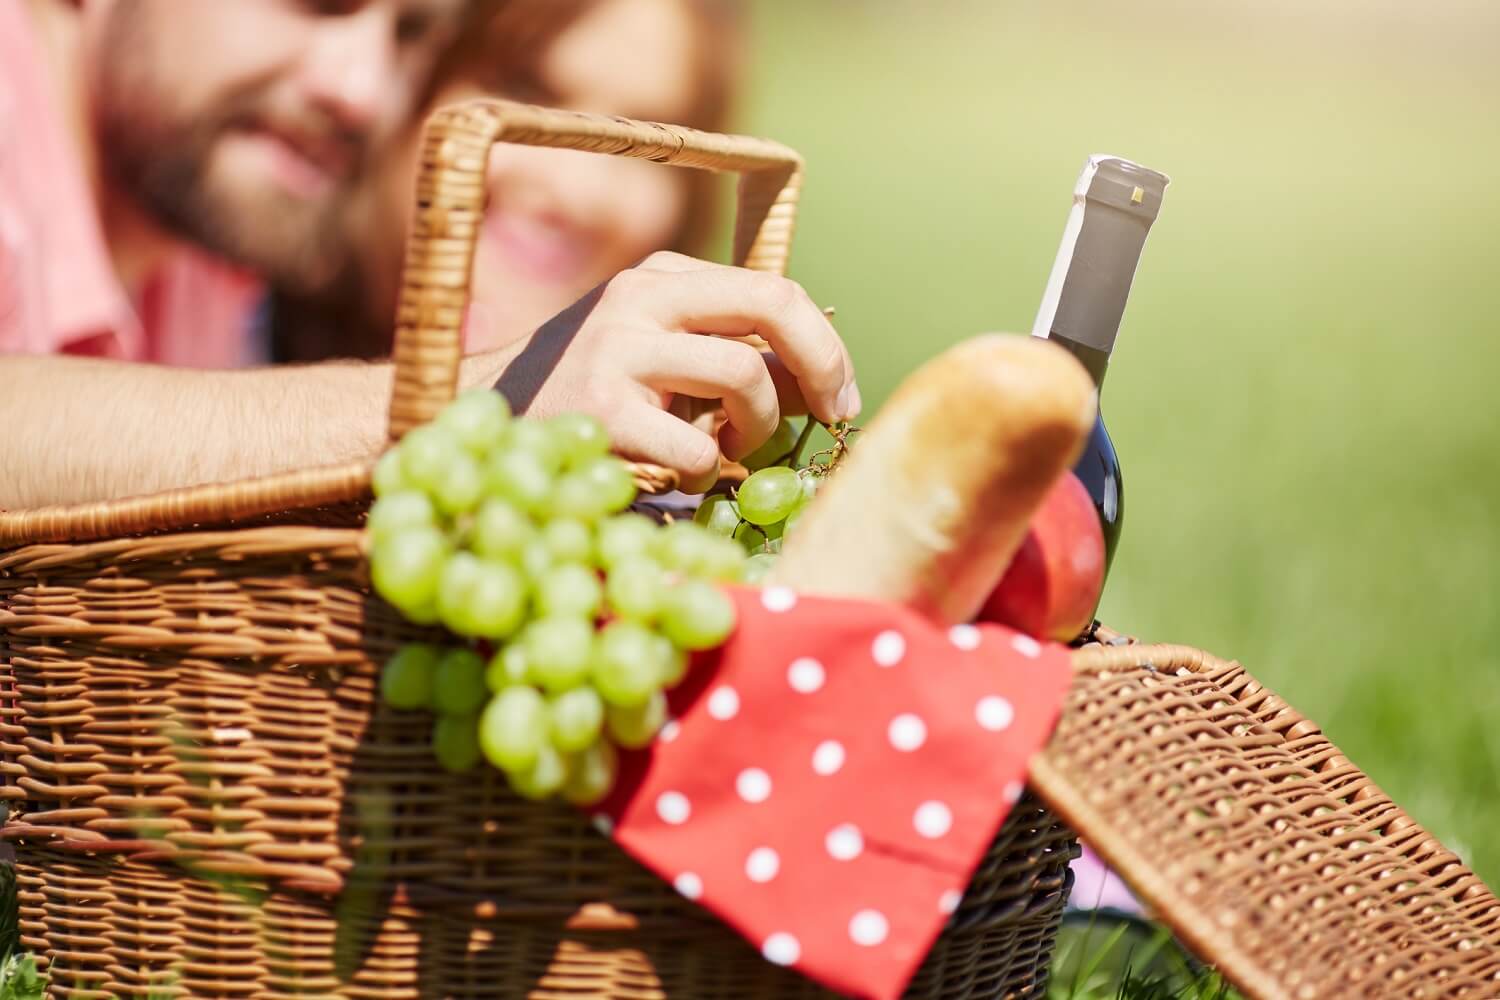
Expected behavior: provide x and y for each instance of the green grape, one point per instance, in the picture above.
(484, 598)
(458, 686)
(423, 614)
(455, 742)
(627, 663)
(613, 481)
(811, 483)
(476, 418)
(459, 489)
(672, 661)
(406, 681)
(719, 514)
(506, 668)
(536, 439)
(520, 476)
(778, 447)
(536, 558)
(752, 538)
(395, 512)
(576, 496)
(723, 561)
(636, 726)
(459, 576)
(500, 530)
(580, 437)
(405, 567)
(571, 591)
(569, 540)
(696, 615)
(634, 588)
(591, 774)
(623, 536)
(426, 454)
(559, 652)
(513, 728)
(757, 566)
(684, 546)
(792, 519)
(388, 477)
(577, 719)
(769, 495)
(543, 779)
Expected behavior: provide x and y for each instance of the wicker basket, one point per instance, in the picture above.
(207, 799)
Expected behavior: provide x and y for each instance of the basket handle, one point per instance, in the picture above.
(450, 195)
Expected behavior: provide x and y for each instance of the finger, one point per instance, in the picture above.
(788, 392)
(735, 302)
(646, 434)
(668, 260)
(710, 368)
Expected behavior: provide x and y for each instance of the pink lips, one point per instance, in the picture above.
(305, 168)
(540, 248)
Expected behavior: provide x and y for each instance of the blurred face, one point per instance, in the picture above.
(242, 124)
(561, 221)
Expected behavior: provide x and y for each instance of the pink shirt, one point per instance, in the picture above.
(58, 288)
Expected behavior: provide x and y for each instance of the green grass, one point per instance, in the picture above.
(1302, 397)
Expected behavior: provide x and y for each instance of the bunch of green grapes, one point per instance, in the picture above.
(514, 534)
(767, 505)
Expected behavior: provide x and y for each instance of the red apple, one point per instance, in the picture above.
(1052, 586)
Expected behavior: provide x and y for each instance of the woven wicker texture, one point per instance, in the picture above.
(205, 794)
(1256, 839)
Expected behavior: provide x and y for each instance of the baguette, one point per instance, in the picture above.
(933, 499)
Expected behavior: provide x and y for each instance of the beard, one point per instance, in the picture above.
(166, 159)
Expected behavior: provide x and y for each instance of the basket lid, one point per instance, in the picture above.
(1255, 839)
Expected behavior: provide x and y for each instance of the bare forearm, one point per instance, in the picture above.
(77, 430)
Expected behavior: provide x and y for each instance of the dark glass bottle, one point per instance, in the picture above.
(1114, 205)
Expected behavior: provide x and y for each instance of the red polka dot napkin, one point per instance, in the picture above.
(832, 777)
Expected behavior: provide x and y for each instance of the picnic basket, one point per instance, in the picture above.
(206, 798)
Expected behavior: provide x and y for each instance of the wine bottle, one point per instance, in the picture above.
(1114, 204)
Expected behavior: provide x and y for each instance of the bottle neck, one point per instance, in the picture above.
(1094, 361)
(1114, 204)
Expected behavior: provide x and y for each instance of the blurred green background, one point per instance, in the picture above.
(1302, 395)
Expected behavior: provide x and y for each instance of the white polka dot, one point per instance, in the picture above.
(753, 784)
(907, 732)
(1026, 646)
(724, 703)
(670, 730)
(762, 865)
(689, 884)
(778, 599)
(964, 636)
(888, 648)
(844, 842)
(828, 757)
(994, 713)
(949, 901)
(1012, 792)
(869, 928)
(805, 675)
(781, 948)
(673, 808)
(932, 819)
(603, 824)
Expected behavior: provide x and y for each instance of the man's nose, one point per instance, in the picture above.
(349, 68)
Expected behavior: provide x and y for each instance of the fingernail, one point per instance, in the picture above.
(841, 404)
(856, 404)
